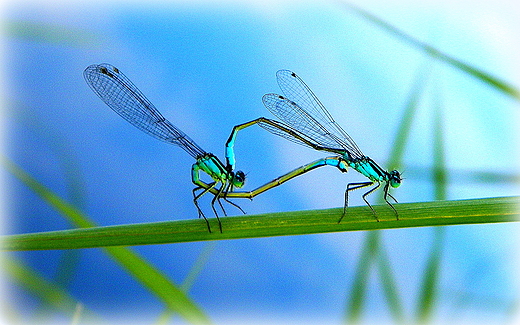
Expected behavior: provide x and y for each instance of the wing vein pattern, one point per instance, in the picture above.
(303, 112)
(122, 96)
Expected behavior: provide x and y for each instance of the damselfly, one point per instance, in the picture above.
(121, 95)
(307, 122)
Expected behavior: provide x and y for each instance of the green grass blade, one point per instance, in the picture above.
(74, 185)
(78, 315)
(439, 161)
(144, 272)
(356, 300)
(423, 214)
(483, 76)
(389, 287)
(67, 268)
(51, 34)
(479, 74)
(159, 284)
(429, 287)
(189, 280)
(405, 125)
(396, 157)
(468, 177)
(430, 282)
(70, 212)
(48, 292)
(198, 266)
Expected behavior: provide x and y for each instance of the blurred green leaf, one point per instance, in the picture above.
(149, 276)
(357, 296)
(481, 75)
(389, 286)
(385, 273)
(405, 124)
(59, 147)
(189, 280)
(439, 162)
(52, 34)
(198, 266)
(159, 284)
(48, 292)
(430, 281)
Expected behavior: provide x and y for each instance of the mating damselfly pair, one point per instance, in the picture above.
(304, 120)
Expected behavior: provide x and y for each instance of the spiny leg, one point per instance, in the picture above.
(196, 198)
(233, 204)
(228, 189)
(386, 200)
(223, 195)
(351, 187)
(217, 198)
(393, 198)
(364, 198)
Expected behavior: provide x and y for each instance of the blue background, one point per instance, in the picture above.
(205, 66)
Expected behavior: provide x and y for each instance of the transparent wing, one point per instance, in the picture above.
(311, 114)
(121, 95)
(299, 121)
(285, 131)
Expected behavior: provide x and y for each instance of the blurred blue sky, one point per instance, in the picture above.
(205, 66)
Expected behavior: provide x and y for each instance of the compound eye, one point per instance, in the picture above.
(395, 183)
(395, 179)
(239, 179)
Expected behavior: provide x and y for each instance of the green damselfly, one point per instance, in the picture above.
(122, 96)
(306, 121)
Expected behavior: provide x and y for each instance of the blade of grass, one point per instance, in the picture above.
(356, 300)
(396, 156)
(159, 284)
(48, 292)
(430, 282)
(58, 146)
(69, 211)
(197, 267)
(483, 76)
(78, 314)
(405, 125)
(439, 162)
(51, 34)
(423, 214)
(389, 286)
(149, 276)
(466, 176)
(189, 280)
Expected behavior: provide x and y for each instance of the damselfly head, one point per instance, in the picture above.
(395, 178)
(239, 179)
